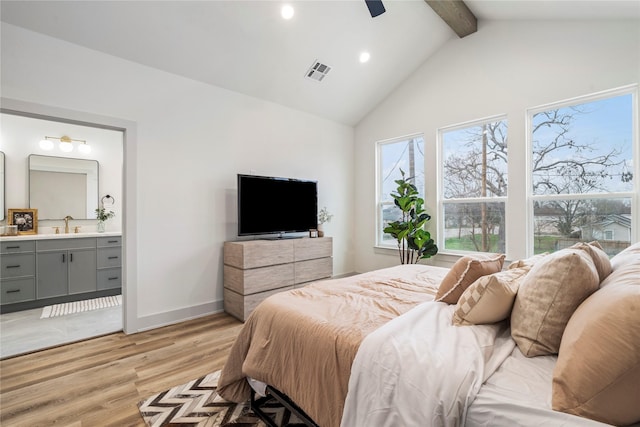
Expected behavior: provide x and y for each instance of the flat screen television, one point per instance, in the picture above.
(270, 205)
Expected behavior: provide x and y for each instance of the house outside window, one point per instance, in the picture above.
(473, 186)
(581, 171)
(405, 154)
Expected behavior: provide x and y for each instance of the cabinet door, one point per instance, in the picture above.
(82, 271)
(52, 274)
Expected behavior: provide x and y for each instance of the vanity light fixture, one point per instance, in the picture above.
(66, 144)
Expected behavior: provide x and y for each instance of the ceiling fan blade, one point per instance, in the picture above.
(375, 7)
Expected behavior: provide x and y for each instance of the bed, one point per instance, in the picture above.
(395, 347)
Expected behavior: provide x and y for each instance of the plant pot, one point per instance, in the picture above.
(101, 227)
(320, 230)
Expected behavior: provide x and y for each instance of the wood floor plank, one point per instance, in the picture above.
(100, 381)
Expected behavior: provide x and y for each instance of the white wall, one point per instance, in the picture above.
(192, 140)
(504, 68)
(21, 137)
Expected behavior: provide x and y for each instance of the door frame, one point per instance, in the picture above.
(129, 187)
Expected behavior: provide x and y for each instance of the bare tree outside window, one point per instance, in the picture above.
(582, 174)
(474, 184)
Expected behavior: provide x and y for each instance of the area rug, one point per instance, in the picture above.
(80, 306)
(197, 404)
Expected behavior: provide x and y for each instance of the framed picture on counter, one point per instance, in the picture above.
(25, 219)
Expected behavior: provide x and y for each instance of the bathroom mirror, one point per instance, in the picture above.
(61, 186)
(2, 192)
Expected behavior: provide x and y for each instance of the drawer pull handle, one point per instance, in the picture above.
(13, 247)
(13, 291)
(113, 278)
(13, 266)
(112, 241)
(113, 257)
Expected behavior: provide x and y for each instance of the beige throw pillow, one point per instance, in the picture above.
(625, 257)
(598, 370)
(599, 257)
(489, 299)
(528, 262)
(464, 272)
(548, 296)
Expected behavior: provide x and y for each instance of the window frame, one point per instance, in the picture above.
(633, 194)
(441, 221)
(379, 242)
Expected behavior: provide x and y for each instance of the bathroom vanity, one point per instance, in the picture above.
(44, 269)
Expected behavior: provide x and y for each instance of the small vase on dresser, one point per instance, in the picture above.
(101, 227)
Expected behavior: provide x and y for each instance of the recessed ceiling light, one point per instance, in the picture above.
(364, 57)
(287, 11)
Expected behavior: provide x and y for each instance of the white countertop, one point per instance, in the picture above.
(59, 236)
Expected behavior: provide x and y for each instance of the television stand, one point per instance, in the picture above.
(257, 269)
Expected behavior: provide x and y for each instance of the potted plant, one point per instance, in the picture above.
(102, 214)
(414, 242)
(323, 216)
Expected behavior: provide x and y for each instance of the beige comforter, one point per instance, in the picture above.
(303, 342)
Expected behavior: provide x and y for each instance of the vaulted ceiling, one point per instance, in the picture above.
(247, 47)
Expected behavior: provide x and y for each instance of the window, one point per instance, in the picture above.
(393, 156)
(582, 173)
(473, 188)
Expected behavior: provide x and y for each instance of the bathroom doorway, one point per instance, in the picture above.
(32, 329)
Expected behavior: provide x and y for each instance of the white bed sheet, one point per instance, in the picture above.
(518, 393)
(420, 370)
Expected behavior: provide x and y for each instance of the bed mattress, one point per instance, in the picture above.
(518, 393)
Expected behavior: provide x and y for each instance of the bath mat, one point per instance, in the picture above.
(80, 306)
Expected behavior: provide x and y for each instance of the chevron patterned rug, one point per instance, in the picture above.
(196, 404)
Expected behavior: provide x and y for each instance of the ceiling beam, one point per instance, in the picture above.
(456, 14)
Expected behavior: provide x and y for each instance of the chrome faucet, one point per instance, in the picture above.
(66, 223)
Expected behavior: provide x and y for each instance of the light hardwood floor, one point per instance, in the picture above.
(99, 382)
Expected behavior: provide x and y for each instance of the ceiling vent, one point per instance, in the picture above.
(318, 71)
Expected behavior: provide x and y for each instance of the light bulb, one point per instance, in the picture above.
(287, 11)
(364, 57)
(46, 144)
(66, 146)
(84, 148)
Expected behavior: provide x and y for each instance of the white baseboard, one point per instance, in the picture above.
(176, 316)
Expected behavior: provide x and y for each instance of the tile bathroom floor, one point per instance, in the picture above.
(25, 332)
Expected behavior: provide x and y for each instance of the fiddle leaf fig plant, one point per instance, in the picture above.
(414, 242)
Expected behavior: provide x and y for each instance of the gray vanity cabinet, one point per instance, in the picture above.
(65, 267)
(17, 271)
(109, 262)
(53, 274)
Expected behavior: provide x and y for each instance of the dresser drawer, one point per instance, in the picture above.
(314, 269)
(258, 253)
(16, 265)
(105, 242)
(109, 257)
(18, 290)
(16, 246)
(109, 278)
(305, 249)
(247, 282)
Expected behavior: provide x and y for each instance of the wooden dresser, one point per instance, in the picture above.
(256, 269)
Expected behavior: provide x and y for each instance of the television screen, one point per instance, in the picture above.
(268, 205)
